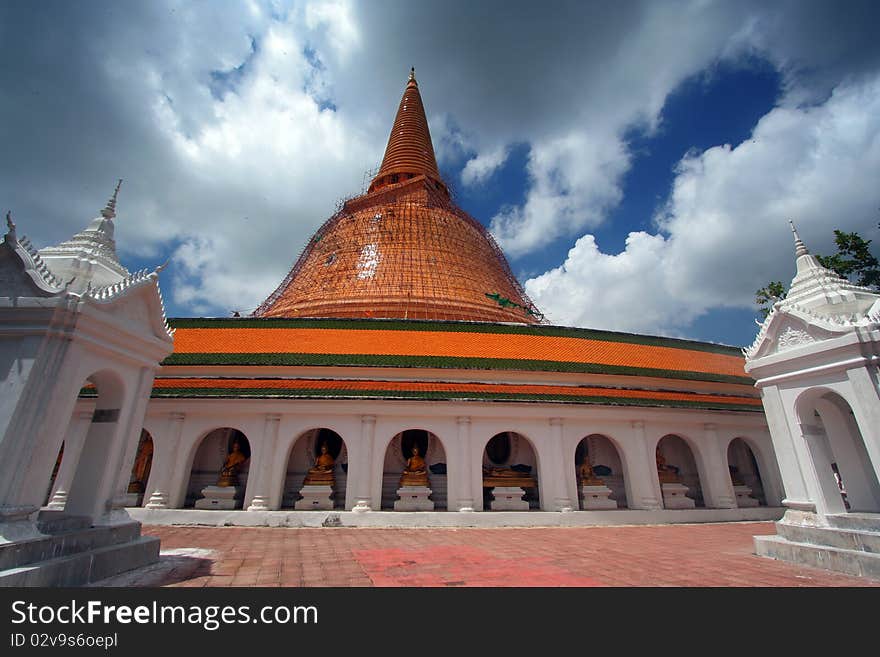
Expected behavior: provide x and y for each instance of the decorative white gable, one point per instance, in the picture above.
(820, 305)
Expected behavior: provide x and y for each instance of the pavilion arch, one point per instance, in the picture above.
(682, 453)
(140, 470)
(206, 459)
(747, 465)
(605, 451)
(836, 448)
(90, 461)
(301, 455)
(398, 450)
(513, 450)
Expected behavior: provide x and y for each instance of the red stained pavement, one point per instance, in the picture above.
(718, 555)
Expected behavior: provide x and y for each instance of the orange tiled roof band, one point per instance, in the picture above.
(451, 344)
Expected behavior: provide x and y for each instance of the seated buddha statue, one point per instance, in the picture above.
(231, 466)
(415, 472)
(587, 476)
(668, 474)
(322, 472)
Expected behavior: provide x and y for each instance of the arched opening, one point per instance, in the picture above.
(421, 454)
(510, 473)
(329, 469)
(847, 481)
(219, 473)
(604, 461)
(745, 474)
(140, 471)
(676, 466)
(91, 483)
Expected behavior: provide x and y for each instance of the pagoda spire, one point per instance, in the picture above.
(800, 248)
(410, 152)
(109, 211)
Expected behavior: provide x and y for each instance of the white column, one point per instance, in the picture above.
(130, 437)
(772, 480)
(163, 469)
(73, 442)
(102, 464)
(465, 492)
(642, 475)
(866, 410)
(785, 434)
(364, 465)
(561, 475)
(39, 394)
(260, 483)
(715, 480)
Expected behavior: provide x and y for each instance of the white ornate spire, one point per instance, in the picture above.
(109, 211)
(90, 255)
(821, 297)
(799, 248)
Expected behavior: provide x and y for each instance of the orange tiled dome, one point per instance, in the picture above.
(404, 249)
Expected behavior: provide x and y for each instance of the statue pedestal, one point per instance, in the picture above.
(315, 498)
(743, 497)
(508, 498)
(413, 498)
(597, 497)
(158, 500)
(674, 497)
(219, 497)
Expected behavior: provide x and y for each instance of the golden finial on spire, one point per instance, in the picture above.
(109, 210)
(412, 74)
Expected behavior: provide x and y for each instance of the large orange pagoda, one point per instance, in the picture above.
(403, 250)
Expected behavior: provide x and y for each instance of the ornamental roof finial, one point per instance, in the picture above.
(412, 74)
(10, 235)
(799, 248)
(109, 211)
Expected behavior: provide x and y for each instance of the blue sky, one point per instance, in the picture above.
(637, 161)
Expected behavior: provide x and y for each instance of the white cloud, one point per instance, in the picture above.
(724, 230)
(479, 169)
(599, 290)
(575, 180)
(337, 17)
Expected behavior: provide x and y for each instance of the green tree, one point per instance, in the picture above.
(853, 261)
(767, 296)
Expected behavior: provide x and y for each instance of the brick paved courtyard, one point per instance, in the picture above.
(664, 555)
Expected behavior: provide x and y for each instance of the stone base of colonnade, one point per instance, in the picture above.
(291, 518)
